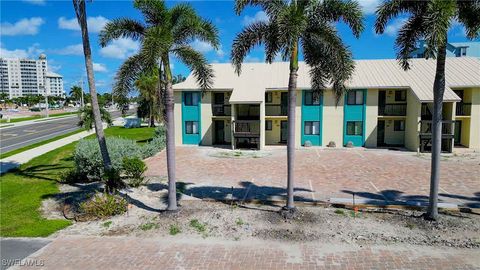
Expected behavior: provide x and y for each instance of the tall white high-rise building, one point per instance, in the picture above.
(20, 77)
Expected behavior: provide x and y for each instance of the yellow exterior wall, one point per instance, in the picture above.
(475, 119)
(391, 136)
(206, 119)
(465, 133)
(371, 118)
(177, 112)
(332, 122)
(412, 125)
(272, 137)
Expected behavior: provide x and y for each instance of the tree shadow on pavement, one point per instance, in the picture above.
(398, 197)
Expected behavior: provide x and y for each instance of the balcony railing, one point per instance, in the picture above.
(276, 110)
(221, 110)
(246, 128)
(398, 109)
(448, 128)
(463, 109)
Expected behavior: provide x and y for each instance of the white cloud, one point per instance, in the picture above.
(369, 6)
(394, 26)
(220, 52)
(35, 2)
(120, 48)
(260, 16)
(76, 49)
(99, 67)
(201, 46)
(252, 59)
(31, 52)
(95, 24)
(26, 26)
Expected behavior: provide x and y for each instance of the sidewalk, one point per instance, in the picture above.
(75, 252)
(15, 161)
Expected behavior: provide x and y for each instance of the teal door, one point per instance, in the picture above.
(191, 126)
(312, 109)
(354, 117)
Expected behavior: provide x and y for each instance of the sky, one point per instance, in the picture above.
(31, 27)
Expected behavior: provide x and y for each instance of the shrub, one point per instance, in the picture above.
(154, 146)
(104, 205)
(197, 225)
(148, 226)
(88, 160)
(174, 230)
(134, 169)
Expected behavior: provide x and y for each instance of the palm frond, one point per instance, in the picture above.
(408, 35)
(154, 11)
(127, 74)
(187, 26)
(348, 11)
(251, 36)
(469, 16)
(330, 60)
(118, 28)
(202, 71)
(271, 7)
(392, 8)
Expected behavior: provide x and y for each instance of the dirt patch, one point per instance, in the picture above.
(201, 219)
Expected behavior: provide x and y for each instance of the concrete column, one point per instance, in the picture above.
(232, 122)
(262, 125)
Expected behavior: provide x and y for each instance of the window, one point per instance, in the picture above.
(191, 127)
(400, 95)
(355, 97)
(312, 98)
(399, 125)
(463, 51)
(312, 128)
(355, 128)
(191, 99)
(268, 97)
(268, 125)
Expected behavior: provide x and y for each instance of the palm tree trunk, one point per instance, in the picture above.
(82, 21)
(292, 100)
(438, 90)
(169, 106)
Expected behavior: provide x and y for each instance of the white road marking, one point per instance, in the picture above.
(321, 164)
(358, 153)
(375, 187)
(39, 132)
(30, 130)
(9, 134)
(39, 137)
(311, 188)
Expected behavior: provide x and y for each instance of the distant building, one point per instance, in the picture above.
(455, 49)
(20, 77)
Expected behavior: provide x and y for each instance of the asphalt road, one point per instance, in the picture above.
(17, 137)
(14, 250)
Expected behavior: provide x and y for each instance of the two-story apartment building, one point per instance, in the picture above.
(384, 107)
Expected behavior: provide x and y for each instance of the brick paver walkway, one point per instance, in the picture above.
(173, 253)
(322, 174)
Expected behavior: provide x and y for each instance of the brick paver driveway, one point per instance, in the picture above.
(174, 253)
(321, 174)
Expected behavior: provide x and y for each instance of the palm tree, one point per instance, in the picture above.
(310, 25)
(430, 20)
(87, 119)
(76, 92)
(164, 32)
(79, 6)
(147, 84)
(178, 79)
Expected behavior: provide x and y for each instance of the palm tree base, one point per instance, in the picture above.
(430, 217)
(288, 212)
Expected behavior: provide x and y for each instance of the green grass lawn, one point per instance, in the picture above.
(34, 117)
(28, 147)
(23, 190)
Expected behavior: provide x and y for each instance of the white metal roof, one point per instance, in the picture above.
(255, 78)
(53, 74)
